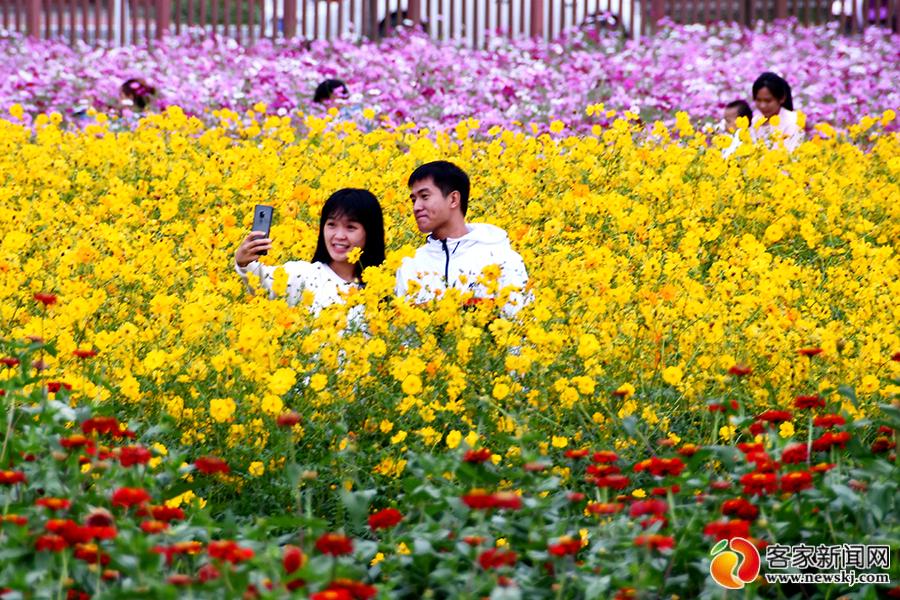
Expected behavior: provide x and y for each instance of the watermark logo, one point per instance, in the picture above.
(736, 567)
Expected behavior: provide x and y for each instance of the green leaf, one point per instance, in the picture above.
(718, 547)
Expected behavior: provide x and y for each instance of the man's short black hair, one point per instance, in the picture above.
(743, 109)
(447, 177)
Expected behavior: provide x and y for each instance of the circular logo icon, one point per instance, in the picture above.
(736, 567)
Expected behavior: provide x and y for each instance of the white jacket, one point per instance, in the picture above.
(440, 264)
(316, 277)
(791, 134)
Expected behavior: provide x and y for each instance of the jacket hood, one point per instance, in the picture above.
(479, 234)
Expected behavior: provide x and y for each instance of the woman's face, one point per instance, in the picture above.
(767, 103)
(342, 235)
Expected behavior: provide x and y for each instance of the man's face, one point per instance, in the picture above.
(430, 207)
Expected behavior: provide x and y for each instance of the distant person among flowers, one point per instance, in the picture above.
(772, 96)
(331, 91)
(136, 93)
(351, 219)
(733, 111)
(455, 252)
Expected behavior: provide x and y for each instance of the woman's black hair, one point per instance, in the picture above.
(361, 206)
(780, 88)
(139, 92)
(325, 89)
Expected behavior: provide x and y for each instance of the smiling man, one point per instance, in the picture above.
(456, 253)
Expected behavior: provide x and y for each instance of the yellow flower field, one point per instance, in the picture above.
(656, 267)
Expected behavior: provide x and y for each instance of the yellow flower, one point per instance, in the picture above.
(17, 111)
(726, 432)
(639, 493)
(379, 556)
(672, 375)
(559, 441)
(412, 385)
(403, 549)
(869, 384)
(501, 391)
(368, 113)
(398, 437)
(786, 429)
(385, 426)
(281, 381)
(354, 254)
(557, 126)
(472, 438)
(256, 469)
(453, 439)
(221, 409)
(318, 382)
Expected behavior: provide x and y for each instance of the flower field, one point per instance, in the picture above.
(712, 352)
(836, 79)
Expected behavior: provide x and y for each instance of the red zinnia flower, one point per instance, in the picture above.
(211, 464)
(53, 503)
(822, 467)
(655, 541)
(229, 551)
(473, 540)
(207, 572)
(85, 353)
(605, 456)
(9, 361)
(154, 526)
(688, 450)
(796, 481)
(741, 508)
(748, 448)
(575, 497)
(11, 477)
(648, 507)
(332, 595)
(55, 386)
(809, 351)
(507, 500)
(477, 456)
(604, 508)
(385, 519)
(564, 546)
(127, 497)
(740, 370)
(134, 455)
(50, 543)
(829, 421)
(883, 444)
(794, 454)
(775, 416)
(101, 425)
(828, 439)
(45, 299)
(75, 441)
(166, 513)
(179, 579)
(576, 454)
(601, 470)
(615, 482)
(293, 559)
(288, 419)
(759, 483)
(660, 467)
(14, 519)
(478, 499)
(814, 401)
(496, 558)
(356, 589)
(91, 554)
(334, 544)
(727, 529)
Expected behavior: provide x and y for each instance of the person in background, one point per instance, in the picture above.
(733, 111)
(136, 94)
(772, 96)
(331, 90)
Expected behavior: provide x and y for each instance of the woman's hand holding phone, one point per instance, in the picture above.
(253, 246)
